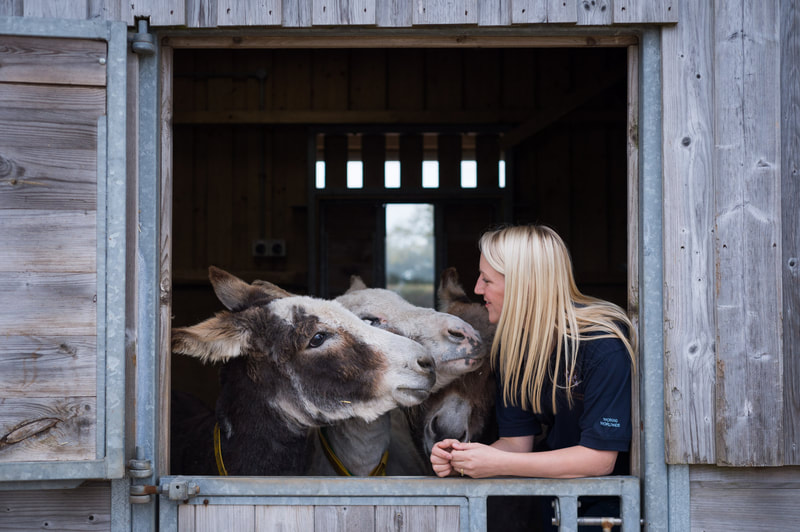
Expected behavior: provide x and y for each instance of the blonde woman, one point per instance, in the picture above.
(548, 333)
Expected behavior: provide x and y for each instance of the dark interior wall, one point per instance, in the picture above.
(244, 125)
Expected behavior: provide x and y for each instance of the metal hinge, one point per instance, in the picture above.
(139, 468)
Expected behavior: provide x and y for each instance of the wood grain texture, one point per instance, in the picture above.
(638, 11)
(284, 518)
(445, 12)
(594, 12)
(528, 11)
(252, 13)
(49, 241)
(689, 273)
(749, 391)
(48, 366)
(53, 60)
(417, 518)
(49, 303)
(160, 12)
(74, 9)
(790, 225)
(759, 499)
(85, 508)
(34, 429)
(213, 518)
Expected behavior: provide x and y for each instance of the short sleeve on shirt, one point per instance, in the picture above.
(512, 420)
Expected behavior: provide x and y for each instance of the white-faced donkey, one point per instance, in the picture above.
(288, 363)
(359, 448)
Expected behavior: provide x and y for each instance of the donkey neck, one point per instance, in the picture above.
(256, 438)
(360, 444)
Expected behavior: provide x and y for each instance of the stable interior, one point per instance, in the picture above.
(510, 135)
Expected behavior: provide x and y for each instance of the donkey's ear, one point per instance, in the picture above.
(356, 283)
(236, 294)
(271, 290)
(216, 339)
(450, 289)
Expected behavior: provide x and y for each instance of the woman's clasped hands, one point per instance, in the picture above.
(454, 458)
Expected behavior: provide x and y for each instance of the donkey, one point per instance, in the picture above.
(360, 448)
(464, 409)
(289, 363)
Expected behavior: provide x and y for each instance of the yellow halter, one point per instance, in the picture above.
(341, 470)
(218, 453)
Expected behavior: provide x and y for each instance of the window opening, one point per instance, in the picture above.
(410, 251)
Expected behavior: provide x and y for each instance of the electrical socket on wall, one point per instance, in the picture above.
(269, 248)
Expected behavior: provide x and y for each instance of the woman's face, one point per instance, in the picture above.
(492, 286)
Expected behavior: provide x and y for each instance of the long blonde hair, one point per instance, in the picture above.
(543, 313)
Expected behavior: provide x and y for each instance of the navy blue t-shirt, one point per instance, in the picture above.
(600, 417)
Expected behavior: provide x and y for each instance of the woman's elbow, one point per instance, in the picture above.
(603, 463)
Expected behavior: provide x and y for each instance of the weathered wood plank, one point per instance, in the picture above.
(37, 177)
(448, 518)
(87, 507)
(53, 60)
(296, 13)
(759, 499)
(164, 351)
(445, 12)
(790, 224)
(595, 12)
(47, 366)
(74, 9)
(160, 12)
(394, 13)
(201, 13)
(528, 11)
(417, 518)
(251, 13)
(339, 12)
(496, 13)
(560, 11)
(647, 11)
(49, 304)
(689, 343)
(53, 241)
(213, 517)
(287, 518)
(109, 10)
(49, 428)
(749, 393)
(11, 8)
(632, 222)
(86, 103)
(186, 521)
(344, 518)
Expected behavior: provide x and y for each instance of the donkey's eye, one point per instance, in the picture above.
(318, 339)
(371, 320)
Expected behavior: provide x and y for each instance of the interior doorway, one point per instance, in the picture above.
(246, 126)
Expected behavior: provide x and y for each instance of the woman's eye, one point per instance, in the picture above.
(371, 320)
(318, 339)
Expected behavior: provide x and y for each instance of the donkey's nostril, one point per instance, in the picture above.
(456, 334)
(426, 363)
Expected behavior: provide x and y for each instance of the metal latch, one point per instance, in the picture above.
(606, 523)
(180, 490)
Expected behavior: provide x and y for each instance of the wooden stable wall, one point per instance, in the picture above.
(48, 264)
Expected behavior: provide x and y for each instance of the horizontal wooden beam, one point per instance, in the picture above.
(418, 40)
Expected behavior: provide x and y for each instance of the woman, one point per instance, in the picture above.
(548, 331)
